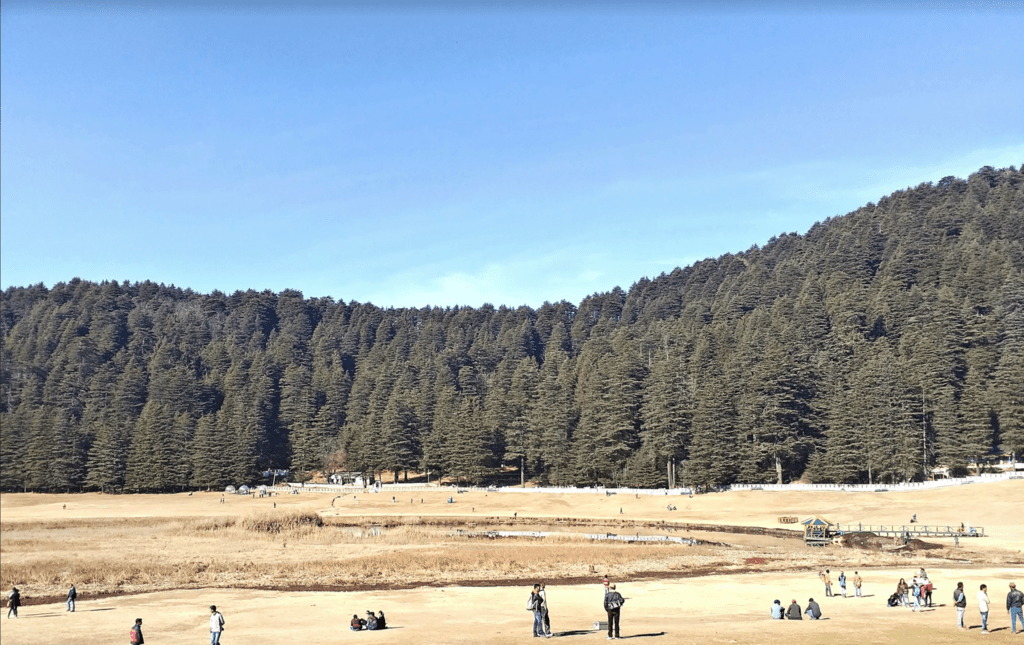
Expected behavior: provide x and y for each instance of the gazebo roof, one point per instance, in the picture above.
(817, 521)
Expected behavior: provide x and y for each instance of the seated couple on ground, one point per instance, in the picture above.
(370, 622)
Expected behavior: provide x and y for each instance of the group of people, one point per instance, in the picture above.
(915, 595)
(1014, 604)
(372, 621)
(537, 603)
(135, 636)
(826, 578)
(793, 612)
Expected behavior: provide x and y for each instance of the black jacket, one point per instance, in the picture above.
(1014, 599)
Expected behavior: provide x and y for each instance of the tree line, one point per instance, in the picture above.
(870, 349)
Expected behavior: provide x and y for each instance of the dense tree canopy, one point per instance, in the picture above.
(872, 348)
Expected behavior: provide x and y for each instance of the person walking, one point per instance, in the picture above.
(216, 625)
(135, 633)
(916, 591)
(613, 606)
(842, 583)
(14, 601)
(72, 594)
(857, 582)
(902, 589)
(545, 610)
(793, 613)
(960, 599)
(536, 605)
(1014, 601)
(983, 608)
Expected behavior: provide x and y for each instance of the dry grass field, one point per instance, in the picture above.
(279, 576)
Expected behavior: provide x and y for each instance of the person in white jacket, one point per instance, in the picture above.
(983, 608)
(216, 625)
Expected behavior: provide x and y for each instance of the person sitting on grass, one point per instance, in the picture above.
(371, 620)
(777, 610)
(357, 623)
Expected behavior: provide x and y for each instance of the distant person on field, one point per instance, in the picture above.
(927, 589)
(371, 620)
(960, 599)
(857, 582)
(903, 589)
(135, 633)
(918, 592)
(793, 613)
(14, 601)
(827, 580)
(813, 610)
(842, 583)
(983, 608)
(777, 610)
(72, 594)
(216, 625)
(382, 622)
(357, 623)
(1014, 601)
(613, 605)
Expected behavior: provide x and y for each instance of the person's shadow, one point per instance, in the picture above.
(644, 635)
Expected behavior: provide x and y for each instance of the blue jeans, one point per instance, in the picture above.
(538, 623)
(1015, 613)
(214, 638)
(71, 604)
(984, 621)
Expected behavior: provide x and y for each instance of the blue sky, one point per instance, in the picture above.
(416, 153)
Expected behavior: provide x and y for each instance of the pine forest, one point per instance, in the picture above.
(873, 348)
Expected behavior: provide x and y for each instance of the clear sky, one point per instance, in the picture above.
(414, 153)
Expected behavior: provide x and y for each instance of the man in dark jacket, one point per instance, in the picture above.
(1014, 602)
(793, 613)
(72, 594)
(813, 610)
(13, 602)
(613, 602)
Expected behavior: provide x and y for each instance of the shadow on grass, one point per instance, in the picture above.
(644, 635)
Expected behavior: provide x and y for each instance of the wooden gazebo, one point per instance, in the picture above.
(818, 531)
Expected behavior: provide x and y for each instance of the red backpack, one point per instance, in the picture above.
(133, 634)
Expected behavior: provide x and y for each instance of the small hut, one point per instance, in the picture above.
(818, 531)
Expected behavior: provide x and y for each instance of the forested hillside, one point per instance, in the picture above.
(871, 348)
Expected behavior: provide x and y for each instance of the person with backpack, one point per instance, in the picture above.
(960, 599)
(13, 602)
(135, 633)
(216, 625)
(613, 606)
(72, 594)
(535, 603)
(357, 623)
